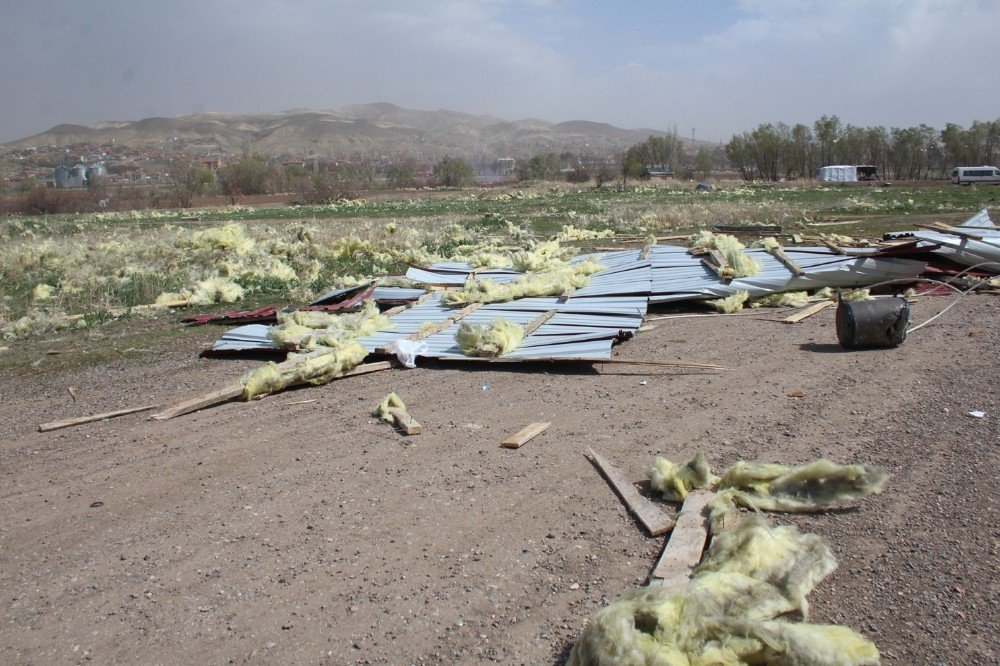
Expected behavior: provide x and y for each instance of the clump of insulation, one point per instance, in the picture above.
(675, 481)
(769, 244)
(820, 485)
(726, 615)
(42, 292)
(388, 402)
(781, 556)
(489, 340)
(571, 233)
(309, 329)
(732, 303)
(316, 367)
(739, 263)
(231, 237)
(215, 290)
(552, 282)
(39, 322)
(543, 256)
(786, 299)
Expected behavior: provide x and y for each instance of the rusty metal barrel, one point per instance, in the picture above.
(878, 323)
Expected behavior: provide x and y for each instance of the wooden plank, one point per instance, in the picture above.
(652, 518)
(686, 543)
(194, 404)
(831, 244)
(437, 328)
(780, 255)
(230, 392)
(405, 422)
(533, 325)
(808, 312)
(669, 364)
(66, 423)
(524, 435)
(945, 229)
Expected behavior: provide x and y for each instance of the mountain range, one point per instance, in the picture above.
(369, 129)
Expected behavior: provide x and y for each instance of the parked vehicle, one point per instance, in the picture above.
(985, 175)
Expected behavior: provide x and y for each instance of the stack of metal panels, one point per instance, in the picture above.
(679, 276)
(977, 242)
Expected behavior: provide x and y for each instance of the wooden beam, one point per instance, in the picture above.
(533, 325)
(194, 404)
(405, 422)
(669, 364)
(652, 518)
(440, 326)
(780, 255)
(825, 240)
(524, 435)
(66, 423)
(683, 550)
(808, 312)
(235, 391)
(945, 229)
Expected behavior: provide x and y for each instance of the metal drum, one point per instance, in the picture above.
(872, 324)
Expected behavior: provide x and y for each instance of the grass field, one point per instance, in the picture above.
(93, 264)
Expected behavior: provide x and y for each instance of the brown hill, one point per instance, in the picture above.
(370, 129)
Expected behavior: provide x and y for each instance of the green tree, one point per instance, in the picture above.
(454, 172)
(249, 175)
(544, 166)
(827, 130)
(704, 162)
(402, 174)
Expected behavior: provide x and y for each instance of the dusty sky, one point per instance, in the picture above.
(720, 67)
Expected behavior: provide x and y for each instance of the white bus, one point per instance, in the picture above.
(985, 175)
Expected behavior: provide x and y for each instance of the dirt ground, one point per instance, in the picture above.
(310, 533)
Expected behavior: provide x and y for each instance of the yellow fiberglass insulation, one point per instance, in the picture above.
(726, 615)
(229, 237)
(495, 339)
(543, 256)
(316, 367)
(310, 329)
(675, 481)
(389, 401)
(821, 484)
(740, 264)
(42, 292)
(781, 556)
(553, 282)
(215, 290)
(787, 299)
(732, 303)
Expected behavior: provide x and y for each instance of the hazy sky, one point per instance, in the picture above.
(720, 67)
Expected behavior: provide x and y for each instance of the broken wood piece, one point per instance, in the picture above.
(66, 423)
(533, 325)
(652, 518)
(301, 402)
(524, 435)
(686, 543)
(405, 422)
(808, 312)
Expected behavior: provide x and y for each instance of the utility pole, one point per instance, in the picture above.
(692, 137)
